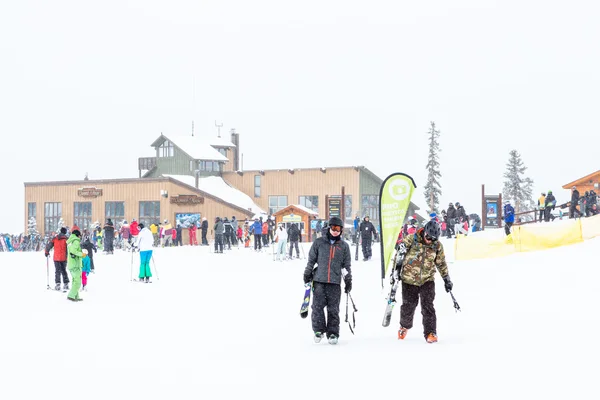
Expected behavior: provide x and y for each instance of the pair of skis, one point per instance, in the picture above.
(395, 281)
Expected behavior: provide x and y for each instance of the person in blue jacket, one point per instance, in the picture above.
(256, 230)
(509, 217)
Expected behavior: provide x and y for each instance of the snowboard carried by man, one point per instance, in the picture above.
(332, 258)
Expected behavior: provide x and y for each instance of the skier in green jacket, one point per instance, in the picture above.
(74, 263)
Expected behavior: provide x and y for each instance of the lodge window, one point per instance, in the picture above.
(114, 210)
(52, 217)
(82, 215)
(209, 166)
(370, 206)
(310, 202)
(31, 211)
(223, 151)
(277, 203)
(166, 149)
(149, 213)
(256, 185)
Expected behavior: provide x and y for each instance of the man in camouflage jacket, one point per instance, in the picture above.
(422, 254)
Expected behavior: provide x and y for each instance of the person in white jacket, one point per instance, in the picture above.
(144, 243)
(281, 238)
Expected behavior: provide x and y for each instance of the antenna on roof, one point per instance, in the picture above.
(219, 126)
(193, 103)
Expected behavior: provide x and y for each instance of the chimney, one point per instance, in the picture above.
(235, 139)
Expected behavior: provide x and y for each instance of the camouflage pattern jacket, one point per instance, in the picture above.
(421, 260)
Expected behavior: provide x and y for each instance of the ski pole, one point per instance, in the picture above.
(456, 306)
(131, 266)
(47, 275)
(353, 320)
(155, 269)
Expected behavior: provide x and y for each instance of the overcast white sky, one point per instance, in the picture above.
(87, 87)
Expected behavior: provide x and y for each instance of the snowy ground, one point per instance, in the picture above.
(227, 326)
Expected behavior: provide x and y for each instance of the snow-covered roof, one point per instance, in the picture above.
(197, 148)
(218, 141)
(305, 209)
(216, 186)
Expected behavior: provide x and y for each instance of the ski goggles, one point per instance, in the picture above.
(335, 228)
(431, 239)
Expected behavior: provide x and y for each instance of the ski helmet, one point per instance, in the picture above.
(433, 230)
(336, 221)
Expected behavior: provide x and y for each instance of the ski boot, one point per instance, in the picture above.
(66, 287)
(333, 339)
(57, 287)
(431, 338)
(402, 333)
(318, 337)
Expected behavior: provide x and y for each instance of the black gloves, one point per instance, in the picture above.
(348, 285)
(46, 254)
(72, 255)
(447, 283)
(308, 276)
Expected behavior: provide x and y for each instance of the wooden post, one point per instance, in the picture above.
(500, 210)
(483, 208)
(327, 207)
(342, 206)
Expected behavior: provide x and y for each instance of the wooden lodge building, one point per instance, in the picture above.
(190, 178)
(585, 184)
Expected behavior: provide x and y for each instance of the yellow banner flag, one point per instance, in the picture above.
(394, 200)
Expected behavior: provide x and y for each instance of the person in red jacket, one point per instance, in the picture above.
(59, 243)
(134, 231)
(192, 231)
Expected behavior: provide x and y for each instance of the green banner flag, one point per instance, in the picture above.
(394, 200)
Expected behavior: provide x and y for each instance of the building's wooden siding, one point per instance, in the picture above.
(131, 192)
(179, 164)
(228, 166)
(303, 182)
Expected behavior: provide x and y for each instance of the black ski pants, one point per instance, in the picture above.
(507, 226)
(60, 269)
(204, 240)
(326, 295)
(108, 244)
(542, 214)
(218, 242)
(410, 299)
(450, 228)
(257, 241)
(91, 256)
(294, 244)
(366, 246)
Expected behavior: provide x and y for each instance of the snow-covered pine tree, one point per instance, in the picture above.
(517, 188)
(61, 223)
(32, 227)
(433, 189)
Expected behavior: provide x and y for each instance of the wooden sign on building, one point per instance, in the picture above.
(88, 192)
(187, 199)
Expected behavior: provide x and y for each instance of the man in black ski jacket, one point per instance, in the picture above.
(294, 236)
(204, 229)
(90, 247)
(367, 234)
(549, 207)
(109, 237)
(332, 256)
(574, 201)
(451, 215)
